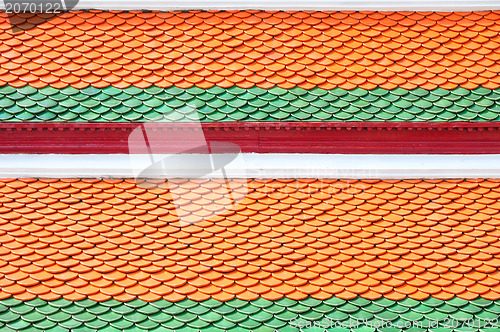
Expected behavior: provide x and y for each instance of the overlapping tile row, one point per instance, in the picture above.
(333, 314)
(114, 239)
(217, 104)
(253, 48)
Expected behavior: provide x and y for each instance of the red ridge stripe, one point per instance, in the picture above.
(275, 137)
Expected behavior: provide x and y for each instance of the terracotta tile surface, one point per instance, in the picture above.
(104, 239)
(254, 48)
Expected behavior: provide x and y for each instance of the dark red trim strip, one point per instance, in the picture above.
(276, 137)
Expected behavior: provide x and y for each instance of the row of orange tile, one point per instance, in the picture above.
(106, 239)
(244, 48)
(235, 17)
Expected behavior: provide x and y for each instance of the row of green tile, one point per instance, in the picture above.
(236, 104)
(261, 315)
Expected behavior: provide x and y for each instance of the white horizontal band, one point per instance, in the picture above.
(251, 166)
(426, 5)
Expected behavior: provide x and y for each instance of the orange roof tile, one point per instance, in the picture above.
(48, 254)
(377, 49)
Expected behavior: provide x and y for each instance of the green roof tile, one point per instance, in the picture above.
(18, 325)
(43, 325)
(145, 325)
(254, 104)
(224, 324)
(70, 323)
(338, 316)
(238, 315)
(397, 308)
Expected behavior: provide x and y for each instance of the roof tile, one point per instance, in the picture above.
(223, 37)
(365, 257)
